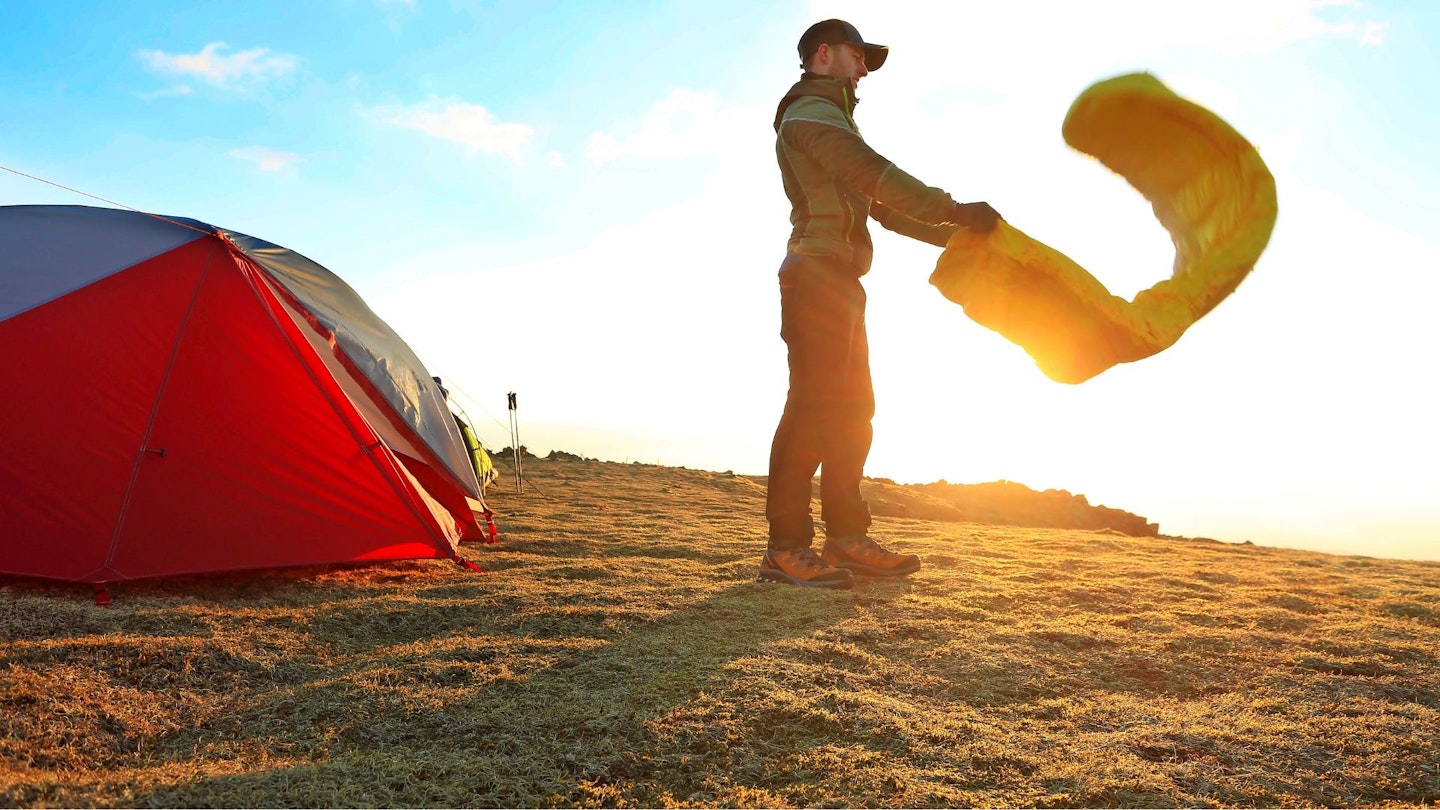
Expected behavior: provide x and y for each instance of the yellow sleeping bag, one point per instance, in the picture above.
(1210, 190)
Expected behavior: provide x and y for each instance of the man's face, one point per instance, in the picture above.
(847, 62)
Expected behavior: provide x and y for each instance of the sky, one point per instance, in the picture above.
(579, 203)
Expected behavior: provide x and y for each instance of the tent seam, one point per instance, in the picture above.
(154, 414)
(390, 475)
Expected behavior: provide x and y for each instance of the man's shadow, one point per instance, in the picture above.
(587, 716)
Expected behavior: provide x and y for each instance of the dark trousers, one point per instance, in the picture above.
(826, 423)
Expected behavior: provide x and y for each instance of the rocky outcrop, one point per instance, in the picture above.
(1001, 503)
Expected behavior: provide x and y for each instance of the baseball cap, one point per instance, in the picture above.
(831, 32)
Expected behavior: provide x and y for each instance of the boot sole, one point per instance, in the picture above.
(857, 568)
(772, 575)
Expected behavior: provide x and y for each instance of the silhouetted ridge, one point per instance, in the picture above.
(1002, 503)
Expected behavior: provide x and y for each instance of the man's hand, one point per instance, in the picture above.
(977, 216)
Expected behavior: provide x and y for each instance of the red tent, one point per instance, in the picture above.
(179, 398)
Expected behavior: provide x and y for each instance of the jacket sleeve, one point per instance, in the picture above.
(892, 220)
(818, 129)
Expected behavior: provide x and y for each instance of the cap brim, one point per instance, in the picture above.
(875, 56)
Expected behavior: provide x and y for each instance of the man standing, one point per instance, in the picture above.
(834, 182)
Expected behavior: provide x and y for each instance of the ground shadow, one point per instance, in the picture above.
(580, 721)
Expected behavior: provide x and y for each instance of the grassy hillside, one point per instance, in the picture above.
(619, 652)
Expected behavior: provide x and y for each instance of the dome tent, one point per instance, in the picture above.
(180, 398)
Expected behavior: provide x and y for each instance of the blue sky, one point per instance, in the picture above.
(579, 202)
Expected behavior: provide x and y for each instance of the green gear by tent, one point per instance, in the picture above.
(479, 459)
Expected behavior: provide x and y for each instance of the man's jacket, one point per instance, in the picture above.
(835, 181)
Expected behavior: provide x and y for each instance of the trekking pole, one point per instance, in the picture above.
(515, 441)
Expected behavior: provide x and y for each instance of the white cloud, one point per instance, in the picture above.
(683, 124)
(396, 13)
(177, 90)
(1374, 33)
(470, 125)
(265, 159)
(238, 70)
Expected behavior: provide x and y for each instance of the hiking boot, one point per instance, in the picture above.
(802, 566)
(861, 555)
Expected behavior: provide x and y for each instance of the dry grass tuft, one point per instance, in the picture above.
(620, 654)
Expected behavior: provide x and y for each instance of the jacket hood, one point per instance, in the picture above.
(836, 91)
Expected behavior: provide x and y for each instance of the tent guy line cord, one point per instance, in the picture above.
(181, 224)
(473, 401)
(187, 227)
(102, 199)
(494, 459)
